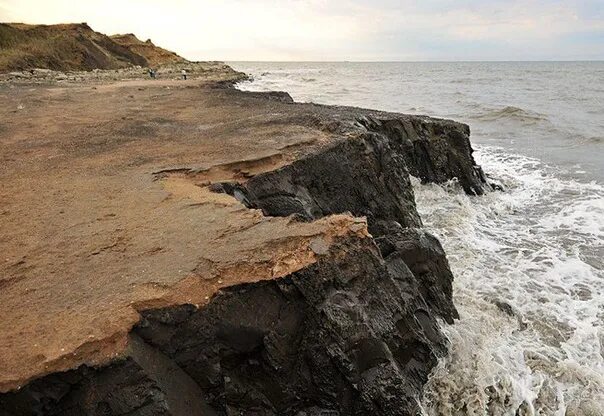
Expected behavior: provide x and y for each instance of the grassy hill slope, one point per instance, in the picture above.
(74, 47)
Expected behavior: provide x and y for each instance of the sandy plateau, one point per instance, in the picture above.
(91, 232)
(126, 199)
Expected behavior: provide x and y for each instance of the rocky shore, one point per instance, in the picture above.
(208, 71)
(184, 248)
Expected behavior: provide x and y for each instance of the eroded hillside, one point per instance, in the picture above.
(74, 47)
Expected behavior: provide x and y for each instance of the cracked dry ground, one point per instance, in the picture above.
(136, 196)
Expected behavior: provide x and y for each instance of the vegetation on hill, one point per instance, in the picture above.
(74, 47)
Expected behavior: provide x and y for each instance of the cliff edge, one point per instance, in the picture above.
(185, 248)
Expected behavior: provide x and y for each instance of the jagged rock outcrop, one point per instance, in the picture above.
(118, 389)
(433, 152)
(238, 226)
(349, 335)
(422, 253)
(361, 175)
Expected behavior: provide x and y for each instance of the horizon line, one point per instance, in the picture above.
(414, 61)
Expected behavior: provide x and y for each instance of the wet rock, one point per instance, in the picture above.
(435, 151)
(509, 310)
(118, 389)
(144, 383)
(348, 336)
(363, 176)
(505, 307)
(423, 254)
(274, 96)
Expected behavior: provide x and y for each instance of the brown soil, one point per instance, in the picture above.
(105, 210)
(154, 55)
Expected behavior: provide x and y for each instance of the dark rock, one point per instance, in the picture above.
(281, 96)
(146, 383)
(118, 389)
(354, 334)
(509, 310)
(425, 257)
(434, 150)
(368, 175)
(363, 176)
(348, 335)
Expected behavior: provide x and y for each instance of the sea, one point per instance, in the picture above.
(529, 261)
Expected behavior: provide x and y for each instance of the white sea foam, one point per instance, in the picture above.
(537, 250)
(539, 246)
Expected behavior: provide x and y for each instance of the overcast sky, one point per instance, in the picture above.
(341, 29)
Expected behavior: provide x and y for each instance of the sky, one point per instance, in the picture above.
(353, 30)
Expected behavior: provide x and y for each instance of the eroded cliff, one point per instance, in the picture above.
(219, 252)
(74, 47)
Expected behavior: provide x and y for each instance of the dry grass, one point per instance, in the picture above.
(55, 52)
(72, 47)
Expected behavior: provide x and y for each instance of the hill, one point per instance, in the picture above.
(154, 55)
(74, 47)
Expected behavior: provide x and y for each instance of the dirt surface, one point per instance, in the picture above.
(105, 210)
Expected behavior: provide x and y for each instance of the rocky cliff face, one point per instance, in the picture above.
(354, 332)
(350, 335)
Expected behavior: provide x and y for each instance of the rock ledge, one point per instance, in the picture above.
(181, 248)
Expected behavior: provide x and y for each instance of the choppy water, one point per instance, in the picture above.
(539, 247)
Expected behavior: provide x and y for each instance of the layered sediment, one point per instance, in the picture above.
(183, 248)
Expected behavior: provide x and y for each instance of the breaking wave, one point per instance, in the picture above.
(511, 113)
(530, 291)
(595, 139)
(528, 262)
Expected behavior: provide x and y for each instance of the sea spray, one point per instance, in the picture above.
(535, 250)
(528, 261)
